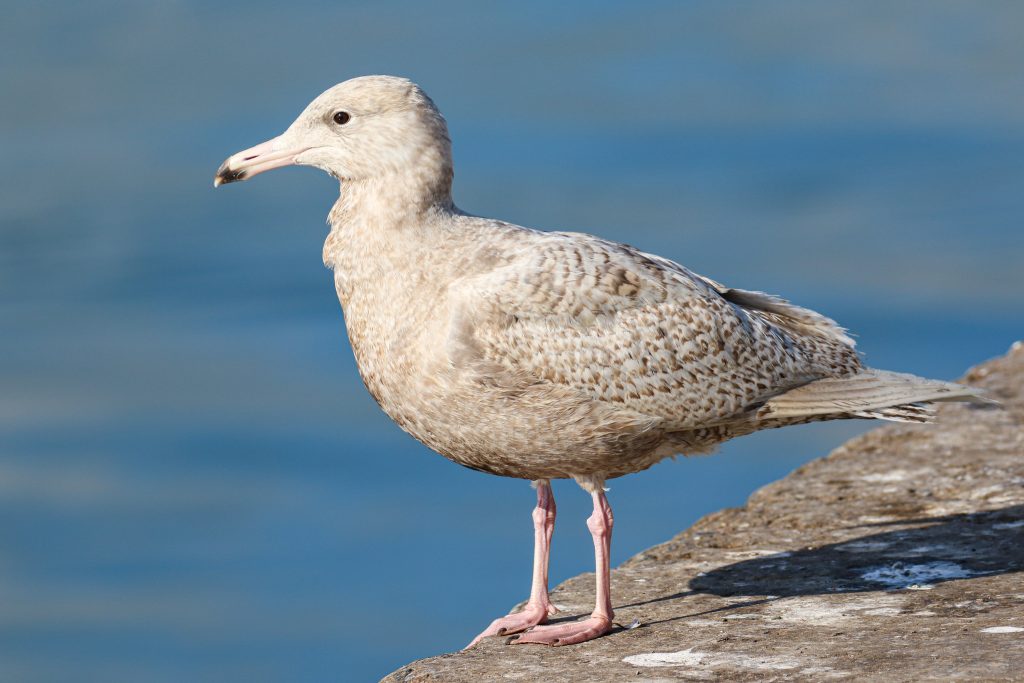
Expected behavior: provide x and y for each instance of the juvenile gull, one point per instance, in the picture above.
(546, 355)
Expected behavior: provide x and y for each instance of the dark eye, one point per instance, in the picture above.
(341, 117)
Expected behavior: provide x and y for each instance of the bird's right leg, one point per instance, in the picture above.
(538, 607)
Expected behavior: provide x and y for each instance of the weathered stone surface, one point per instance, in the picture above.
(898, 557)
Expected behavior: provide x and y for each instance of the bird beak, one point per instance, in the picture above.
(269, 155)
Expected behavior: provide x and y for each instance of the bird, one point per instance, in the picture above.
(545, 355)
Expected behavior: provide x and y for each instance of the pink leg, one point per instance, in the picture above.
(600, 622)
(538, 608)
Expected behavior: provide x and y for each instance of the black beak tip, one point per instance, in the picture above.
(226, 175)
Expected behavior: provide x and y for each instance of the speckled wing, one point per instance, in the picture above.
(632, 329)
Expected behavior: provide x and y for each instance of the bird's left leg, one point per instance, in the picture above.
(600, 622)
(538, 607)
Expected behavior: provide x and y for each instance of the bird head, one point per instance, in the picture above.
(365, 128)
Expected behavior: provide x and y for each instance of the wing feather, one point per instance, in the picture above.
(628, 328)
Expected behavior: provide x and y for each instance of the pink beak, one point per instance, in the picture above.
(265, 156)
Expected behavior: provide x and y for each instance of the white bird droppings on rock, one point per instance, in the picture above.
(916, 576)
(694, 658)
(833, 611)
(894, 475)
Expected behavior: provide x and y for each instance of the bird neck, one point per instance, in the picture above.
(392, 198)
(418, 181)
(391, 215)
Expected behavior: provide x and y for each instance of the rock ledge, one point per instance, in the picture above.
(897, 557)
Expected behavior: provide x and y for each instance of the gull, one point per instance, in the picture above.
(550, 355)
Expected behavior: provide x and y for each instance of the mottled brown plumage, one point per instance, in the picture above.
(545, 355)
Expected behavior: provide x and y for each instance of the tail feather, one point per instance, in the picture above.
(911, 412)
(877, 394)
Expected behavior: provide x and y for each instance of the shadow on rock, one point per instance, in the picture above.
(948, 548)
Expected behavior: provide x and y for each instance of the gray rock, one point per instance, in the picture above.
(898, 557)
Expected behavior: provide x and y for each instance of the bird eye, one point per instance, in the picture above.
(341, 117)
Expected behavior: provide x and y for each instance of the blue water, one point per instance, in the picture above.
(193, 483)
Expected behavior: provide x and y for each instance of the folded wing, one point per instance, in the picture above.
(640, 332)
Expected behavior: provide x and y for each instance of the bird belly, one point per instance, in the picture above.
(535, 432)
